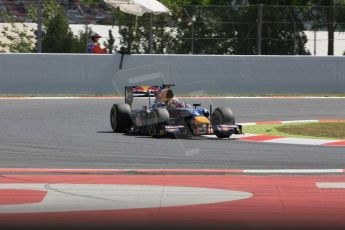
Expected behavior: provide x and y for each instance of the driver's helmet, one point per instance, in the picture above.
(175, 103)
(164, 96)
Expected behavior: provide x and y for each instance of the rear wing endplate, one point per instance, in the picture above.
(139, 91)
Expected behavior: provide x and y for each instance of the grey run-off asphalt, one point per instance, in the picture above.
(75, 133)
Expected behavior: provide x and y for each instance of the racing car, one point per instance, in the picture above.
(166, 114)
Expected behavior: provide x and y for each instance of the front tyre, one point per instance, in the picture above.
(120, 118)
(155, 120)
(222, 116)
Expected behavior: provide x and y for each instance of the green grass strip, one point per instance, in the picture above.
(311, 130)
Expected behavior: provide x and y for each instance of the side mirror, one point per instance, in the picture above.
(196, 105)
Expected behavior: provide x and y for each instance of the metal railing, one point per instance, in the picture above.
(227, 29)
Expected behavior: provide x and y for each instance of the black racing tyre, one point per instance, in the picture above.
(120, 118)
(222, 116)
(155, 120)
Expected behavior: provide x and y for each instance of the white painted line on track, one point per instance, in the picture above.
(292, 171)
(330, 184)
(94, 197)
(248, 123)
(298, 141)
(300, 121)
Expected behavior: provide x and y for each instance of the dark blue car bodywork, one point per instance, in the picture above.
(183, 120)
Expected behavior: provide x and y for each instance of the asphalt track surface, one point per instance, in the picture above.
(75, 133)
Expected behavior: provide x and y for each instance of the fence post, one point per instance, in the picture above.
(330, 27)
(87, 37)
(259, 29)
(39, 26)
(192, 36)
(294, 38)
(315, 42)
(150, 33)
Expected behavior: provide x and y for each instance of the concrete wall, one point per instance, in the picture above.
(77, 74)
(48, 73)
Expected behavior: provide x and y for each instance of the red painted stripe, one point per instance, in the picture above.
(325, 120)
(268, 122)
(9, 97)
(336, 143)
(260, 138)
(20, 196)
(277, 202)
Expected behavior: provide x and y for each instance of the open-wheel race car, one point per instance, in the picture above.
(166, 114)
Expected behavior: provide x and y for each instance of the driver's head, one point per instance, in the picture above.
(176, 103)
(165, 95)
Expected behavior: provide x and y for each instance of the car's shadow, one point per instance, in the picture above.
(105, 132)
(171, 136)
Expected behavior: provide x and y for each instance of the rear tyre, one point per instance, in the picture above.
(222, 116)
(120, 118)
(155, 120)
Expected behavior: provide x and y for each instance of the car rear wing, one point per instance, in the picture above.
(140, 91)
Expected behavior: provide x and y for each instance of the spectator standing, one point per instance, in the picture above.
(94, 47)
